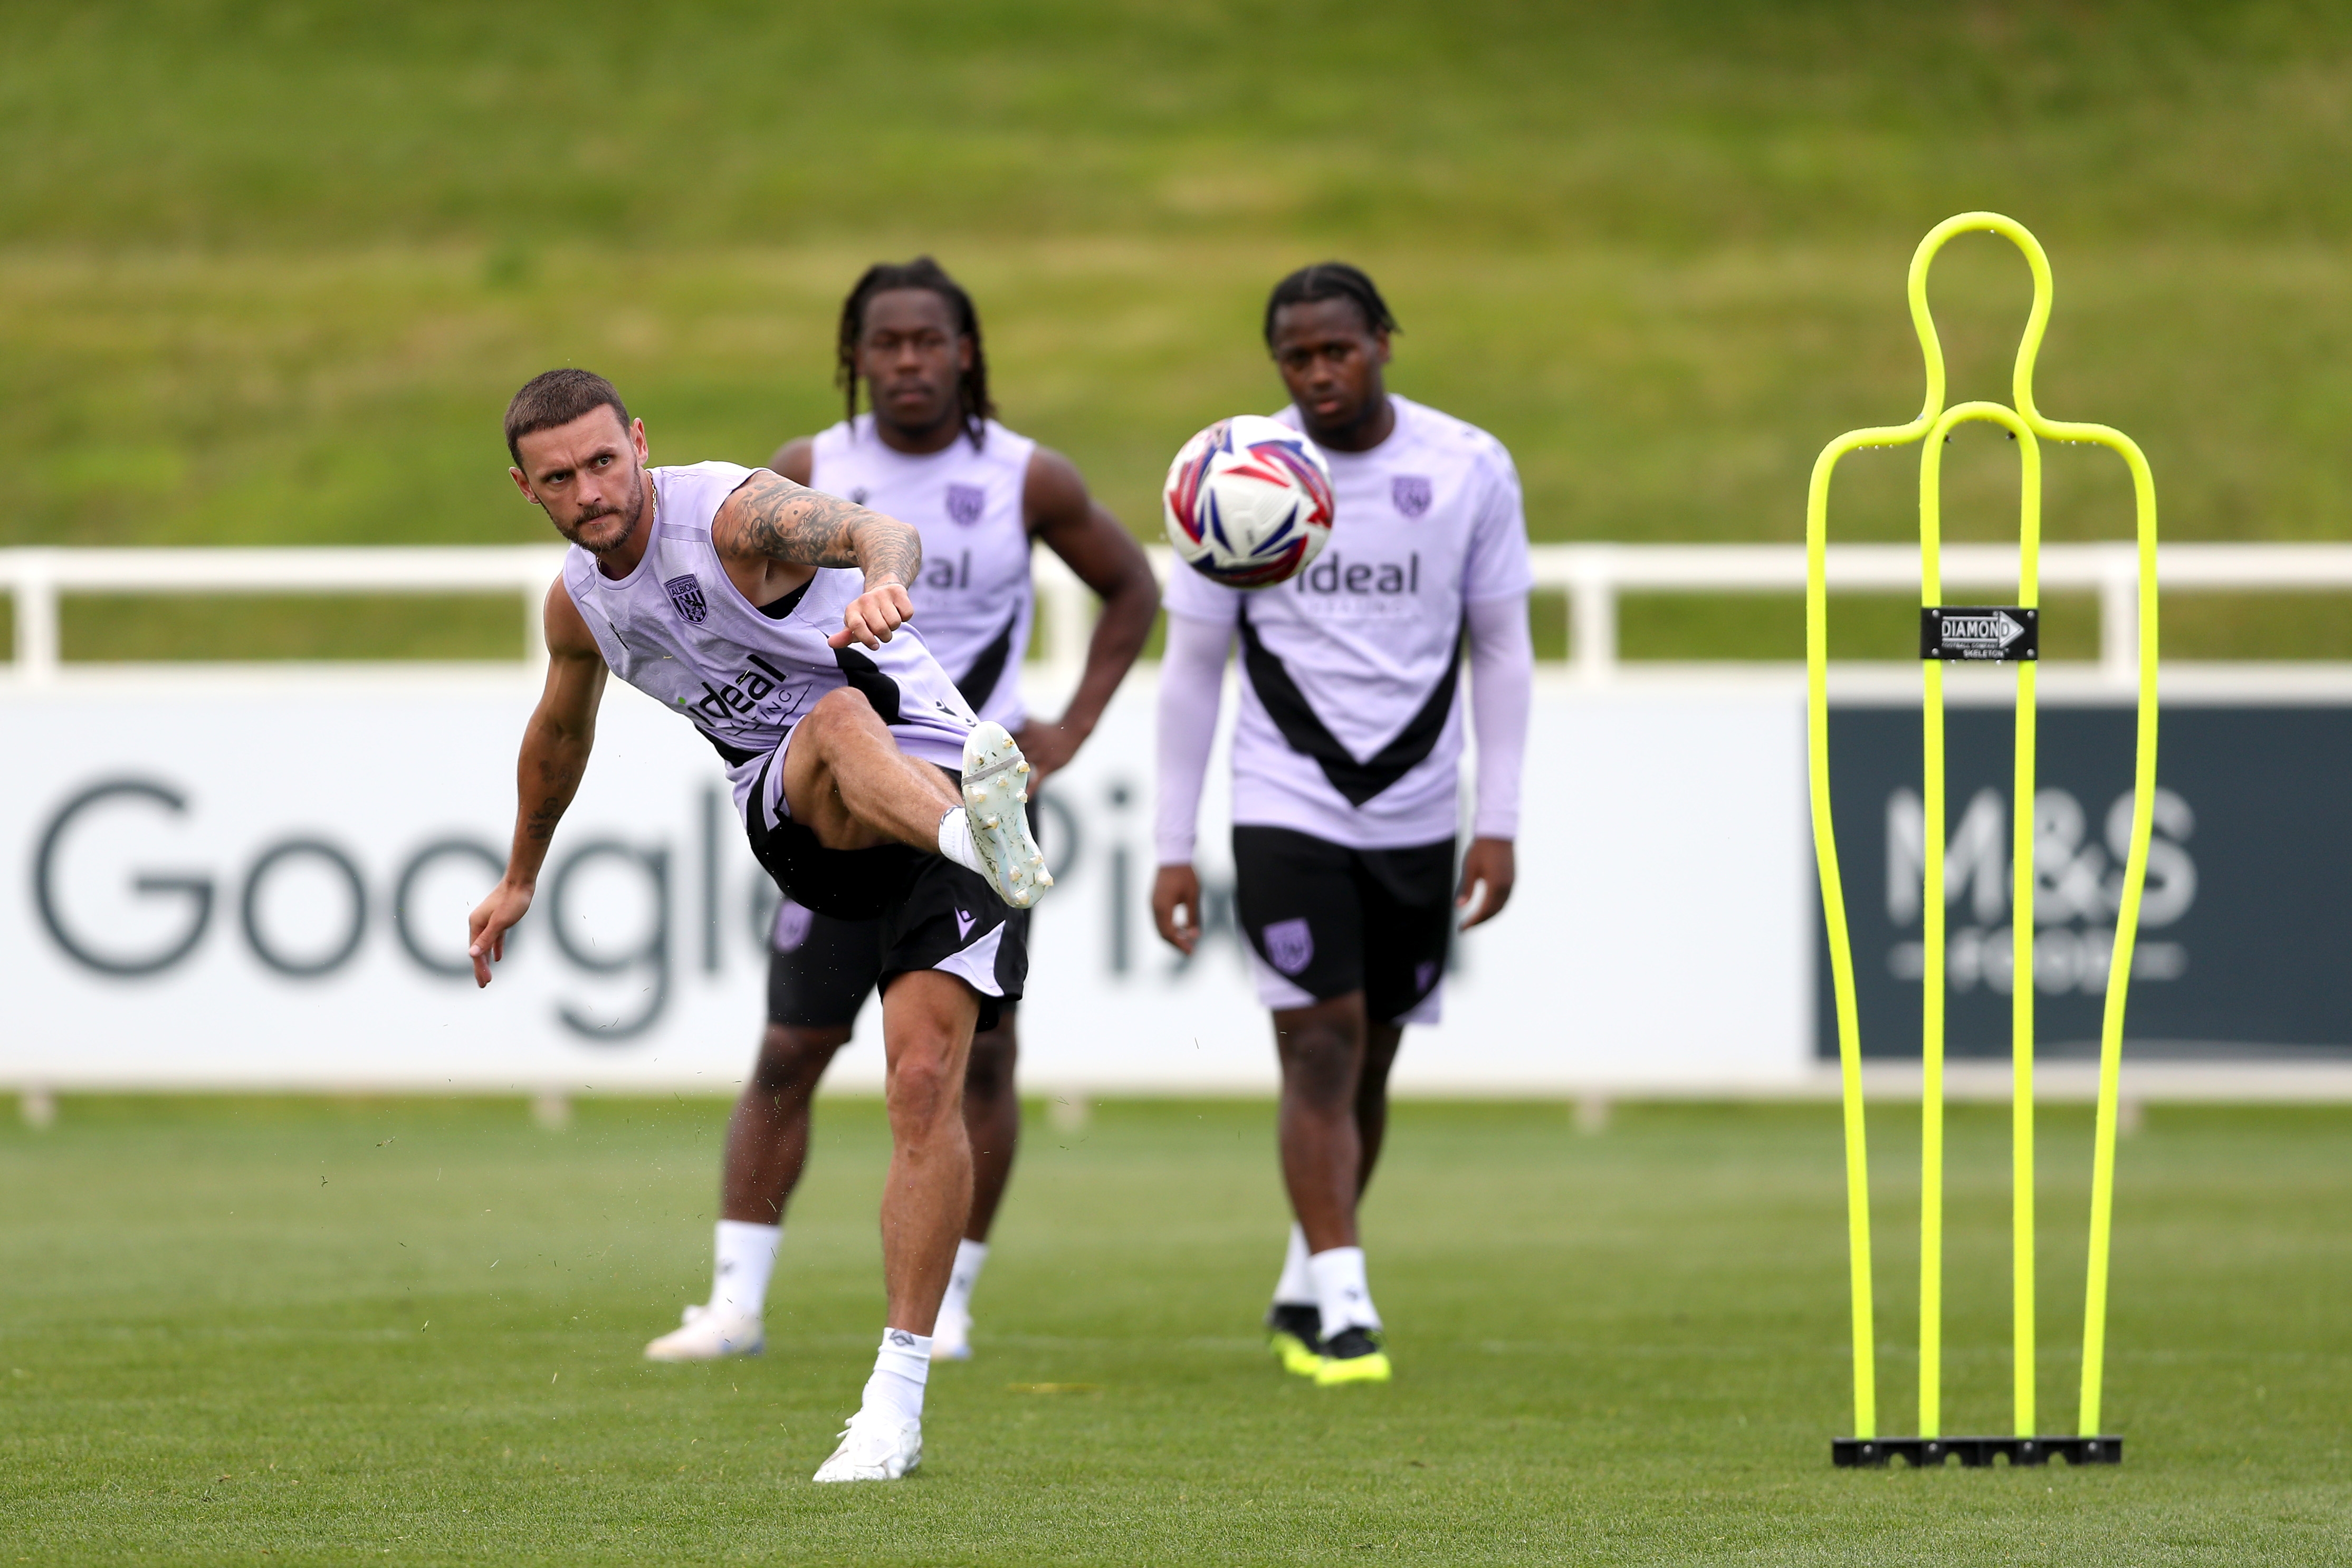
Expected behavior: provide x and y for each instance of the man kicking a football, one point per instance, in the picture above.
(774, 619)
(932, 453)
(1346, 761)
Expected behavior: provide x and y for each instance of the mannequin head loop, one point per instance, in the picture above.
(2037, 320)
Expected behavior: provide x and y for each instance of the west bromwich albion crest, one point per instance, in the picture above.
(1289, 944)
(965, 503)
(686, 594)
(1411, 493)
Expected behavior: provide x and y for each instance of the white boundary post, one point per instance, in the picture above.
(33, 588)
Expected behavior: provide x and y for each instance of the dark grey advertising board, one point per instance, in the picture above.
(2245, 939)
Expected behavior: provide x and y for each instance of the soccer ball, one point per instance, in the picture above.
(1248, 501)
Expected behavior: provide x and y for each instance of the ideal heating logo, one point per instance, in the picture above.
(1334, 574)
(943, 572)
(741, 700)
(1344, 588)
(2078, 889)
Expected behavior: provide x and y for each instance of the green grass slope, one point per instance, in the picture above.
(268, 271)
(302, 1331)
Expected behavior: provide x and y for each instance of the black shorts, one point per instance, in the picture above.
(1328, 919)
(822, 968)
(875, 914)
(847, 884)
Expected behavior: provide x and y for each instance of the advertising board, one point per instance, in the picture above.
(2242, 928)
(253, 880)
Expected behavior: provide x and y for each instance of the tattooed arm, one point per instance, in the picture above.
(555, 746)
(770, 516)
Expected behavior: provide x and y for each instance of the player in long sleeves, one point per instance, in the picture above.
(929, 452)
(775, 620)
(1347, 756)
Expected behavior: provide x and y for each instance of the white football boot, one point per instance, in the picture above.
(952, 1336)
(875, 1447)
(996, 789)
(709, 1333)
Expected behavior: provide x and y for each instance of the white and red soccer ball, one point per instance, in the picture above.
(1248, 501)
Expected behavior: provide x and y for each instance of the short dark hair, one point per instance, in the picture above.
(972, 386)
(556, 397)
(1331, 281)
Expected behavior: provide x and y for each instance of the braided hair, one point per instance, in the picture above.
(1331, 281)
(972, 385)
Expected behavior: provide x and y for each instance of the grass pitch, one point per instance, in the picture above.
(275, 1331)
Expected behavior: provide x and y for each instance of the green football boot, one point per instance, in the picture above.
(1354, 1354)
(1295, 1335)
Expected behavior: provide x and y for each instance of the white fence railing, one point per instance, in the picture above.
(1593, 577)
(36, 579)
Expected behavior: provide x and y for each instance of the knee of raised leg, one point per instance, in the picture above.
(841, 708)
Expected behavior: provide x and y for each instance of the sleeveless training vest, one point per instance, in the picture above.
(974, 601)
(678, 629)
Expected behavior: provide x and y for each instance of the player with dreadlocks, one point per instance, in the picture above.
(930, 453)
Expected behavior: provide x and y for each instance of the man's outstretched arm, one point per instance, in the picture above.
(769, 515)
(555, 746)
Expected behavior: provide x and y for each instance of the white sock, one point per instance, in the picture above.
(1296, 1286)
(970, 1256)
(746, 1256)
(1340, 1292)
(900, 1368)
(955, 840)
